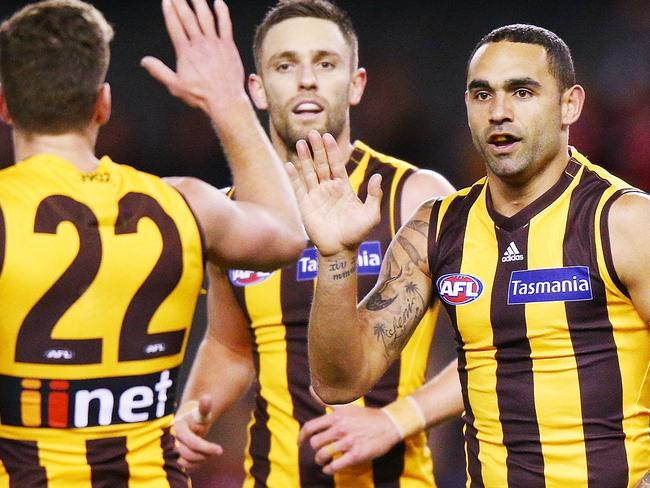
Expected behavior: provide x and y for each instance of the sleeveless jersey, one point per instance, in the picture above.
(552, 353)
(277, 306)
(99, 276)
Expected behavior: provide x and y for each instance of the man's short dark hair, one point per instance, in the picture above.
(558, 54)
(318, 9)
(54, 56)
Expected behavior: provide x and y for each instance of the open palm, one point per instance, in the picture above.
(333, 215)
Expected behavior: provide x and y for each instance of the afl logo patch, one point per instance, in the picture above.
(239, 277)
(459, 289)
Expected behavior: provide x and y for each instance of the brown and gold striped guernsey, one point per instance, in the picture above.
(99, 276)
(552, 354)
(277, 306)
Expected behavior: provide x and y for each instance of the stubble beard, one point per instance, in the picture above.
(290, 133)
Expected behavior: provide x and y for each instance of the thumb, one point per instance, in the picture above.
(203, 414)
(160, 71)
(373, 200)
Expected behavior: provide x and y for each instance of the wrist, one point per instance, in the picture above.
(339, 265)
(406, 415)
(230, 111)
(191, 408)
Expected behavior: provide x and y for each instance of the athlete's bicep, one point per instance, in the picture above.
(629, 232)
(238, 234)
(402, 295)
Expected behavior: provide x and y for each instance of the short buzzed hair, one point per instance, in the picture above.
(54, 57)
(559, 57)
(318, 9)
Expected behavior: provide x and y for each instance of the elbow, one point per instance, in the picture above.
(337, 395)
(288, 249)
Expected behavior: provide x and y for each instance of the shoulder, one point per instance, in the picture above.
(629, 234)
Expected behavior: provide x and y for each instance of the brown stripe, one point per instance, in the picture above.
(514, 373)
(20, 459)
(604, 235)
(449, 249)
(176, 477)
(107, 460)
(592, 336)
(397, 210)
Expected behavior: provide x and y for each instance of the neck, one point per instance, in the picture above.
(75, 147)
(510, 195)
(289, 154)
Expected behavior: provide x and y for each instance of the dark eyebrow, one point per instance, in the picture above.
(478, 84)
(519, 82)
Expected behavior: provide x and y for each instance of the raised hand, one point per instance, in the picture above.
(334, 217)
(209, 71)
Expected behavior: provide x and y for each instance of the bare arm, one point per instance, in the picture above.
(351, 346)
(222, 370)
(210, 76)
(420, 186)
(629, 230)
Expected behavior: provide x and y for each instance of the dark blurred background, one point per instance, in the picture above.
(415, 53)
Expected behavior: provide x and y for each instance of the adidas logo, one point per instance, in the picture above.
(512, 254)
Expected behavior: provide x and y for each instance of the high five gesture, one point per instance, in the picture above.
(334, 217)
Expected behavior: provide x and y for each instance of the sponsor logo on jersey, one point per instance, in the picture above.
(459, 289)
(568, 284)
(88, 402)
(240, 277)
(368, 261)
(512, 254)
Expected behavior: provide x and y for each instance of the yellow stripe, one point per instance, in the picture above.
(632, 338)
(554, 363)
(65, 463)
(480, 254)
(4, 476)
(145, 460)
(265, 309)
(359, 173)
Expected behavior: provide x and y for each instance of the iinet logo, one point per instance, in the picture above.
(90, 403)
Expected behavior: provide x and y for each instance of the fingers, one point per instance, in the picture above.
(314, 426)
(305, 165)
(321, 162)
(334, 156)
(205, 18)
(345, 460)
(373, 200)
(174, 26)
(187, 19)
(160, 71)
(223, 19)
(296, 181)
(331, 451)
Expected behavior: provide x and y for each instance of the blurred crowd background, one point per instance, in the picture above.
(415, 53)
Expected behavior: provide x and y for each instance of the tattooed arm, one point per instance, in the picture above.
(351, 346)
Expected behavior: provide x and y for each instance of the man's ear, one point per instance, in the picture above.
(257, 91)
(5, 116)
(572, 102)
(358, 86)
(103, 105)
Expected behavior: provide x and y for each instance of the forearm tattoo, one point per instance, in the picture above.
(395, 330)
(340, 270)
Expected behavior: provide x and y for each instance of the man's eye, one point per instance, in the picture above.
(523, 93)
